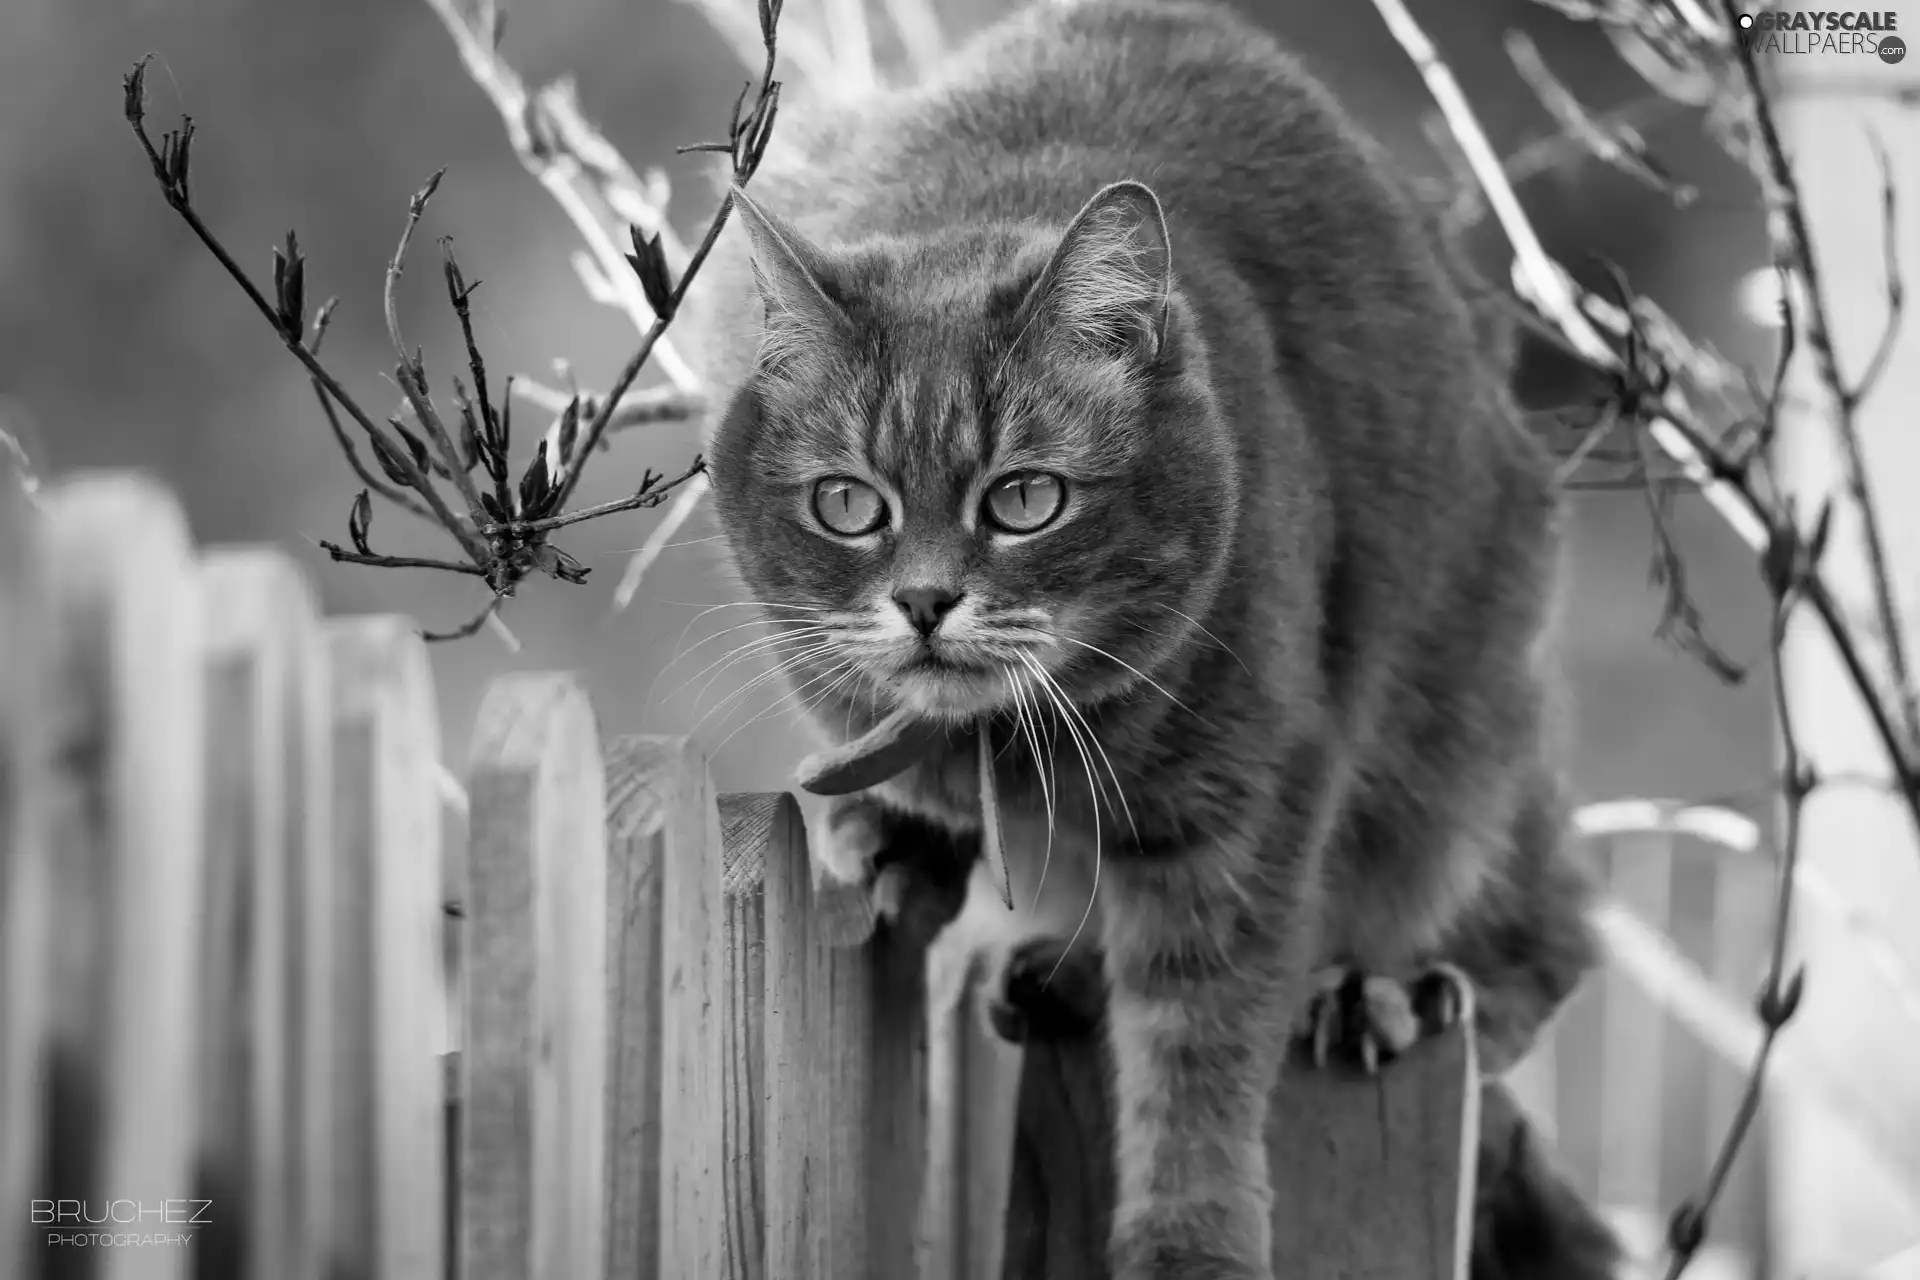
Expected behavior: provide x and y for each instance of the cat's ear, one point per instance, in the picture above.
(1108, 284)
(794, 277)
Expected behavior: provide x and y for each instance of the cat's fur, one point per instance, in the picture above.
(1297, 597)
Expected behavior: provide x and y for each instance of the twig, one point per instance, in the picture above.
(1687, 1228)
(412, 373)
(1609, 140)
(555, 145)
(652, 492)
(172, 172)
(636, 409)
(470, 626)
(504, 533)
(1896, 284)
(1784, 202)
(1790, 560)
(746, 144)
(663, 531)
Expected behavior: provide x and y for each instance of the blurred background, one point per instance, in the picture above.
(122, 343)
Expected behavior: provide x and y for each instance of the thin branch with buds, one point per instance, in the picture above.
(504, 529)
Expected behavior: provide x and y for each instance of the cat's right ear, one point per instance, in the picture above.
(794, 278)
(1108, 285)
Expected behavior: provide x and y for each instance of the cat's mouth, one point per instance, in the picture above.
(938, 683)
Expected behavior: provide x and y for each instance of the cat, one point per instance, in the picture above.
(1106, 393)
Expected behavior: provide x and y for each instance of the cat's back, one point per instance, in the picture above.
(1032, 115)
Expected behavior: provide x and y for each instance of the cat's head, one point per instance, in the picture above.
(977, 468)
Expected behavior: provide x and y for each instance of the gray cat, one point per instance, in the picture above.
(1107, 395)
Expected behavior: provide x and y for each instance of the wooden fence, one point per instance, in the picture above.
(224, 978)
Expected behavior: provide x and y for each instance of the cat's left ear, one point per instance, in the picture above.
(1108, 285)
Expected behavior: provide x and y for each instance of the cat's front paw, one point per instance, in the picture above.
(850, 840)
(1144, 1253)
(1047, 990)
(1367, 1019)
(914, 872)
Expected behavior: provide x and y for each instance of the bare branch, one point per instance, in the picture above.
(1796, 248)
(1896, 284)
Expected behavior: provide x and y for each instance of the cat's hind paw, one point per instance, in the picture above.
(1047, 991)
(1367, 1019)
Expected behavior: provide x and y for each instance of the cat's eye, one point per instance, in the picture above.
(1025, 501)
(848, 507)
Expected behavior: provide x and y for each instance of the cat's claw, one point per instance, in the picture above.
(1369, 1019)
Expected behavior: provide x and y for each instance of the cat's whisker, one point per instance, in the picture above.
(852, 674)
(680, 643)
(684, 650)
(1075, 714)
(757, 646)
(1208, 634)
(781, 667)
(741, 604)
(839, 673)
(729, 704)
(744, 604)
(741, 653)
(1136, 671)
(1094, 786)
(738, 653)
(1027, 719)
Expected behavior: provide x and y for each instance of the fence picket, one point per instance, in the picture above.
(639, 781)
(266, 806)
(710, 1019)
(124, 808)
(389, 1183)
(25, 873)
(533, 1163)
(845, 1045)
(973, 1088)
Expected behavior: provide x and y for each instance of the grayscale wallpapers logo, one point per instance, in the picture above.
(1805, 31)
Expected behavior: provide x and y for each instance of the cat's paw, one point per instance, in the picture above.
(1367, 1019)
(1144, 1255)
(1046, 990)
(913, 872)
(851, 839)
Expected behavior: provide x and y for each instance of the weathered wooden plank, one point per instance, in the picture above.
(25, 876)
(125, 695)
(973, 1092)
(1630, 1070)
(387, 1099)
(725, 1185)
(1372, 1177)
(533, 1126)
(710, 1025)
(644, 777)
(265, 819)
(846, 1073)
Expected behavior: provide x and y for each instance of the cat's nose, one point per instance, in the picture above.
(925, 606)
